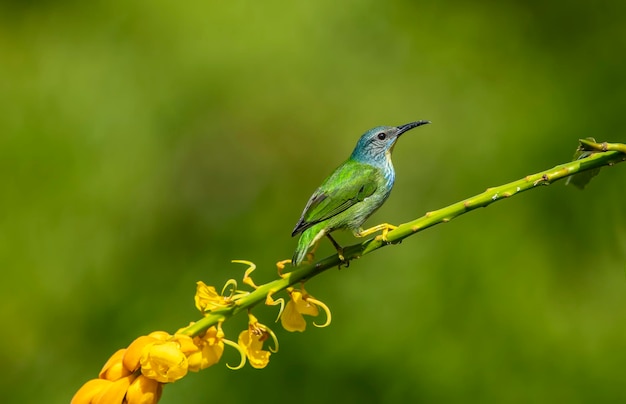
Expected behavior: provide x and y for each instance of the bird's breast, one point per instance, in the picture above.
(389, 173)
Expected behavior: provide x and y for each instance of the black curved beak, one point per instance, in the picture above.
(409, 126)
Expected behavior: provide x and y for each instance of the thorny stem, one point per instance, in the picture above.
(607, 154)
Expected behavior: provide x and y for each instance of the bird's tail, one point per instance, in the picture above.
(298, 256)
(307, 239)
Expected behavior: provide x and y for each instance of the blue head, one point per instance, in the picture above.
(376, 145)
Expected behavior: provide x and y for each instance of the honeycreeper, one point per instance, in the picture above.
(355, 190)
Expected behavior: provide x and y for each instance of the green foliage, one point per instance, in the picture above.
(143, 145)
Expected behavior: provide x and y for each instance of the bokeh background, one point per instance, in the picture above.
(145, 144)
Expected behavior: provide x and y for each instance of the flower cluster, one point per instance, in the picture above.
(136, 374)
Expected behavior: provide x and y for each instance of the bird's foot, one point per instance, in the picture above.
(339, 249)
(388, 227)
(344, 262)
(384, 227)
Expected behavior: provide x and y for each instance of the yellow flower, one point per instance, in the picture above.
(300, 304)
(207, 348)
(210, 349)
(144, 391)
(252, 344)
(208, 299)
(135, 349)
(251, 340)
(158, 354)
(163, 361)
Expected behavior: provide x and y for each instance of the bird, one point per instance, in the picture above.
(352, 193)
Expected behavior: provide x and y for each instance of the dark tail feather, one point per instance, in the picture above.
(304, 244)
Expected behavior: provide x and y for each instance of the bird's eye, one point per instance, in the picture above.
(382, 136)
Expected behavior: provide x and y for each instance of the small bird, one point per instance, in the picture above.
(354, 191)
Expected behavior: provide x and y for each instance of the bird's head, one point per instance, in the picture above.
(377, 143)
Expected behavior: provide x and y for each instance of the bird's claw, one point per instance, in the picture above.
(384, 228)
(344, 262)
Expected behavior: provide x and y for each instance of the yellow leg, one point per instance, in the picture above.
(385, 227)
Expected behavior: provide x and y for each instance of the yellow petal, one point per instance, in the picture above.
(257, 357)
(303, 305)
(191, 348)
(89, 390)
(114, 393)
(113, 369)
(187, 344)
(211, 354)
(133, 353)
(207, 298)
(160, 335)
(291, 319)
(144, 391)
(164, 362)
(194, 362)
(211, 348)
(319, 303)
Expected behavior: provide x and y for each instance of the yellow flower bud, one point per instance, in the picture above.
(163, 361)
(144, 391)
(114, 393)
(160, 335)
(89, 390)
(134, 351)
(114, 369)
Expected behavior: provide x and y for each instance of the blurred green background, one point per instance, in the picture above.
(145, 144)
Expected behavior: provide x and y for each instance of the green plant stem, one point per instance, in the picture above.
(607, 155)
(586, 144)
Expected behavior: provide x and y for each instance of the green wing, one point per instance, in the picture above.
(348, 185)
